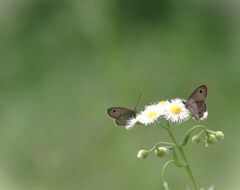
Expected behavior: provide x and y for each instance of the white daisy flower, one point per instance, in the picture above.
(163, 104)
(131, 123)
(150, 114)
(176, 111)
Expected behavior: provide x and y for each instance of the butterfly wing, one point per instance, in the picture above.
(199, 94)
(192, 107)
(202, 108)
(116, 112)
(195, 103)
(121, 115)
(123, 119)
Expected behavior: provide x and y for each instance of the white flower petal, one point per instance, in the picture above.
(131, 123)
(176, 111)
(150, 114)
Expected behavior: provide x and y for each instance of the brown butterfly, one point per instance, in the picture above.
(121, 114)
(196, 102)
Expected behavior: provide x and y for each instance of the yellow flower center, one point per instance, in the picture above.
(162, 102)
(176, 109)
(152, 114)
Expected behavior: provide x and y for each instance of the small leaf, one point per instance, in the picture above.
(185, 139)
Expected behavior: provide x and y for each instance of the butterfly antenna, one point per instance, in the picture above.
(135, 108)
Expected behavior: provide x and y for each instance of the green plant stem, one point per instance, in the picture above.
(161, 143)
(165, 183)
(201, 127)
(164, 169)
(187, 167)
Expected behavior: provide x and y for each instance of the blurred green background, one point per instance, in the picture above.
(63, 63)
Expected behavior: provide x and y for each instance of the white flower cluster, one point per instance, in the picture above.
(174, 111)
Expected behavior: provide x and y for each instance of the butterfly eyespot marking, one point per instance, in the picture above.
(200, 91)
(114, 111)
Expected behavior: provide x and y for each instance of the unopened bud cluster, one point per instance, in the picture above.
(214, 137)
(211, 138)
(158, 151)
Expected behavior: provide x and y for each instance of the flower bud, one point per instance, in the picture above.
(142, 154)
(211, 139)
(219, 135)
(196, 139)
(161, 151)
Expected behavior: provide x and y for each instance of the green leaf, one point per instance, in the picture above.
(185, 139)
